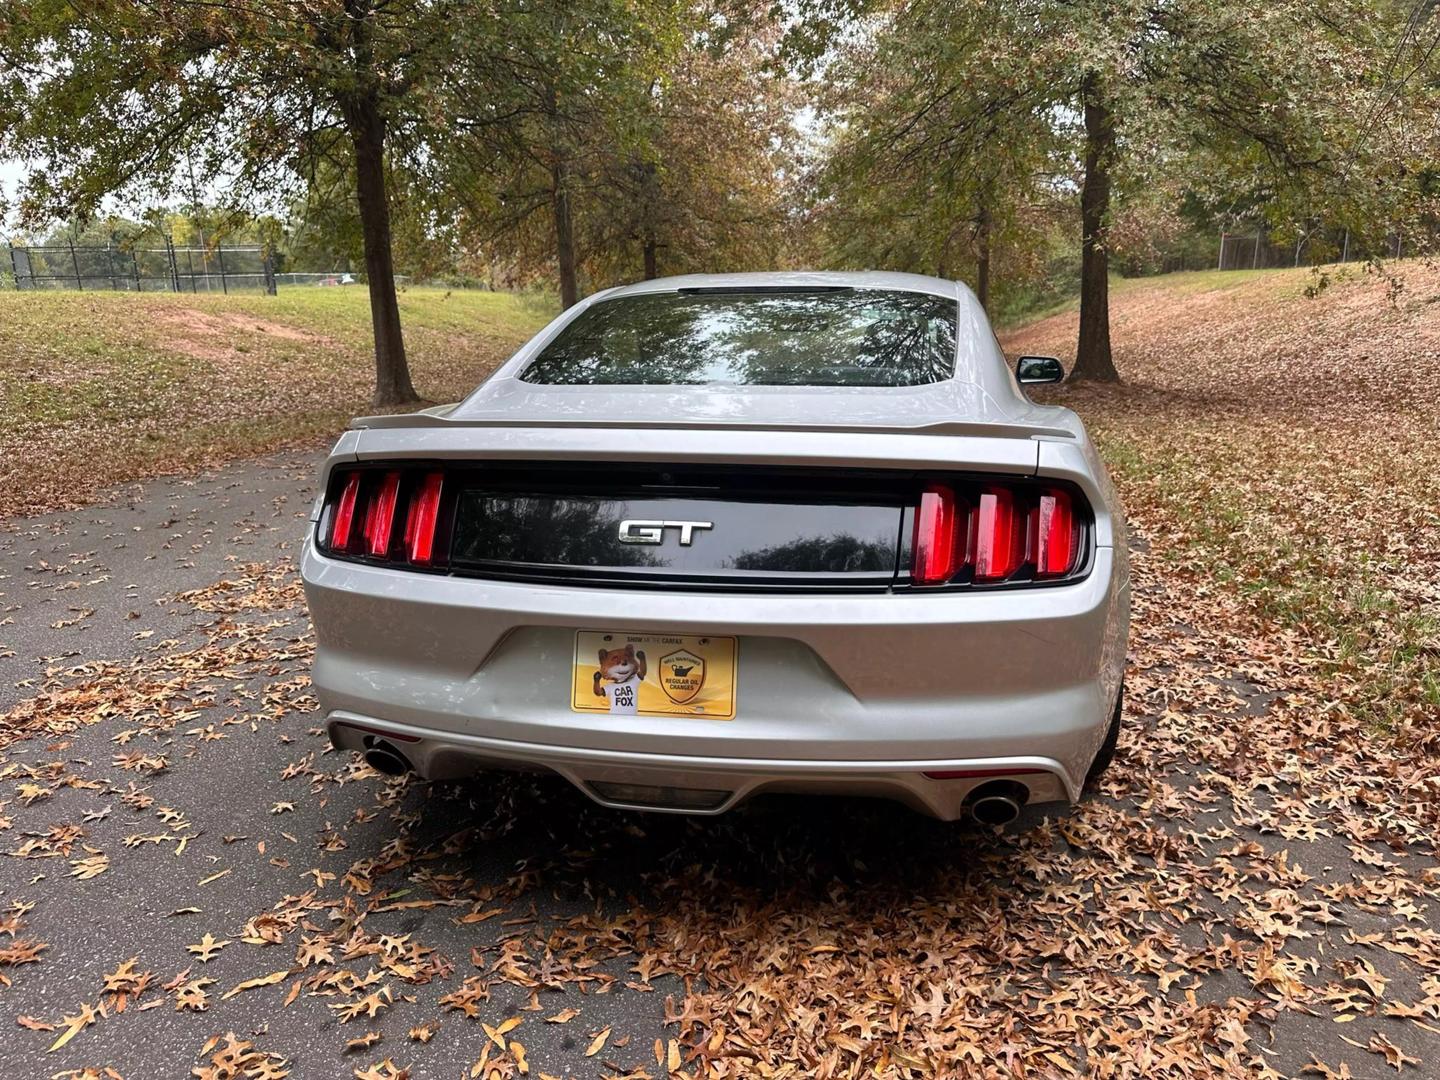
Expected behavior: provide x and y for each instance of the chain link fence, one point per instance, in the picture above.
(137, 269)
(1256, 251)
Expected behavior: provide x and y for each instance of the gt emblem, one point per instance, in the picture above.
(640, 531)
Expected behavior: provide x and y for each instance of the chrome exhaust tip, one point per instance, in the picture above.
(995, 810)
(998, 803)
(385, 759)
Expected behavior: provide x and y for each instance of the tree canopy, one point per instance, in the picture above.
(960, 108)
(600, 140)
(263, 98)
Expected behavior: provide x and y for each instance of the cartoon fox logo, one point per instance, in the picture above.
(619, 666)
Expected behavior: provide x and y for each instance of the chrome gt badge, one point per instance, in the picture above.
(641, 531)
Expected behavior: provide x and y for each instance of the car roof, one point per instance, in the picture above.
(799, 279)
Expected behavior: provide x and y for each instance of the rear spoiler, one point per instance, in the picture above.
(438, 417)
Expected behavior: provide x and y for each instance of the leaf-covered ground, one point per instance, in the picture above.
(102, 388)
(194, 883)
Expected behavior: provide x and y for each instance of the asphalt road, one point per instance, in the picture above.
(108, 572)
(175, 754)
(82, 588)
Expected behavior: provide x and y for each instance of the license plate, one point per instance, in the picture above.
(654, 675)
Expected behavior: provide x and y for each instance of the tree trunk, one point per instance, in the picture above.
(564, 235)
(982, 257)
(649, 210)
(392, 372)
(1093, 359)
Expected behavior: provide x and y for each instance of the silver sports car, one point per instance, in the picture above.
(707, 537)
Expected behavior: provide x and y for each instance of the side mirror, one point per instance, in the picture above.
(1038, 369)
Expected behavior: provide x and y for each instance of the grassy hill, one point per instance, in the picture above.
(101, 388)
(1279, 451)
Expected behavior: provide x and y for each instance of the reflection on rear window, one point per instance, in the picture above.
(827, 337)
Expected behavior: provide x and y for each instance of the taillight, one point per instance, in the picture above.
(380, 515)
(420, 522)
(940, 540)
(342, 522)
(368, 506)
(988, 533)
(1053, 536)
(999, 535)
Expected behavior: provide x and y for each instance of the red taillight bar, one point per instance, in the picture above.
(999, 535)
(1053, 534)
(343, 521)
(939, 540)
(364, 515)
(380, 515)
(420, 523)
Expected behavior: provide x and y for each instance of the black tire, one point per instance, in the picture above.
(1106, 754)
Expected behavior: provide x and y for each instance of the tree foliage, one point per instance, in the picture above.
(926, 172)
(678, 157)
(1286, 103)
(599, 140)
(262, 98)
(707, 190)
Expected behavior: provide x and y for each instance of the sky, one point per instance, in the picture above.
(10, 173)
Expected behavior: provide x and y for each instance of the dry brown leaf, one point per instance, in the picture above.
(207, 948)
(91, 866)
(74, 1024)
(252, 984)
(363, 1042)
(597, 1043)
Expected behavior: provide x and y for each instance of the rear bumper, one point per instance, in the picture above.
(446, 754)
(853, 694)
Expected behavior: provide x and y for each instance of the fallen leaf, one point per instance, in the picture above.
(73, 1025)
(207, 949)
(252, 984)
(598, 1043)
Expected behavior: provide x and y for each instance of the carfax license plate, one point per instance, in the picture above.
(654, 675)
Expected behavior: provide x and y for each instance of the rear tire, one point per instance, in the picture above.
(1106, 754)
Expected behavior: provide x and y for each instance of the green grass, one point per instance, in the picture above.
(165, 382)
(1300, 580)
(1181, 284)
(345, 312)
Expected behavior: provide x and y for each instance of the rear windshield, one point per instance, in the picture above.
(827, 337)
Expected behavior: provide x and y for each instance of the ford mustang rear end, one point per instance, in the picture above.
(708, 537)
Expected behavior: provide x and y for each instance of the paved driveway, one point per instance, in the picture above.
(193, 881)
